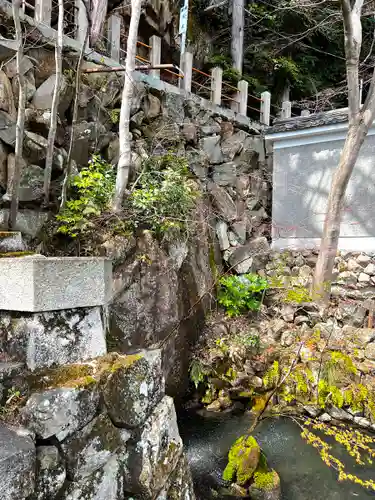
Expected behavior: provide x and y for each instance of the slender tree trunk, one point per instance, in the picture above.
(55, 102)
(68, 169)
(238, 25)
(124, 163)
(98, 15)
(20, 126)
(360, 120)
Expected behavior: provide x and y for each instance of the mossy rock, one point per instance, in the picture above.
(266, 486)
(243, 460)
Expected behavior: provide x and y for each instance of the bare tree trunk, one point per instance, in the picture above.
(360, 121)
(98, 15)
(55, 102)
(238, 24)
(68, 168)
(20, 126)
(124, 163)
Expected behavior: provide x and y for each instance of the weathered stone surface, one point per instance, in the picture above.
(223, 202)
(133, 390)
(90, 448)
(151, 106)
(253, 255)
(370, 269)
(90, 137)
(370, 351)
(269, 492)
(198, 163)
(11, 242)
(180, 484)
(35, 147)
(211, 146)
(50, 472)
(233, 145)
(7, 128)
(222, 235)
(150, 460)
(105, 483)
(363, 278)
(240, 230)
(60, 412)
(340, 414)
(29, 222)
(34, 283)
(10, 370)
(189, 132)
(3, 166)
(10, 67)
(224, 174)
(43, 96)
(31, 182)
(6, 96)
(42, 340)
(11, 166)
(17, 464)
(30, 88)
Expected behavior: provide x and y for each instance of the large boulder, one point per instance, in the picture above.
(17, 464)
(250, 257)
(106, 483)
(29, 222)
(225, 174)
(30, 88)
(233, 145)
(133, 388)
(43, 96)
(31, 181)
(223, 202)
(50, 472)
(90, 448)
(155, 453)
(211, 146)
(48, 339)
(35, 147)
(60, 412)
(7, 128)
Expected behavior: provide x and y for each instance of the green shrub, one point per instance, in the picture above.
(90, 195)
(164, 195)
(239, 294)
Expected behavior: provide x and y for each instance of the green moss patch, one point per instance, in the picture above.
(266, 481)
(15, 254)
(243, 459)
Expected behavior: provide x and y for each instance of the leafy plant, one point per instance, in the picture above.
(198, 372)
(164, 195)
(90, 195)
(251, 340)
(239, 294)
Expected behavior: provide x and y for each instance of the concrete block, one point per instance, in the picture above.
(37, 284)
(11, 242)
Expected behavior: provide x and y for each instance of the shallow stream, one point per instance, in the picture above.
(303, 475)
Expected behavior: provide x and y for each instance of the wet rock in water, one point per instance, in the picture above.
(134, 387)
(243, 460)
(60, 412)
(51, 474)
(266, 486)
(155, 452)
(90, 448)
(17, 464)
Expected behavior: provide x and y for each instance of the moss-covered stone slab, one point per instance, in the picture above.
(266, 486)
(154, 452)
(134, 386)
(60, 412)
(180, 484)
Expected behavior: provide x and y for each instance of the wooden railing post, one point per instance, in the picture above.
(286, 109)
(155, 55)
(265, 108)
(43, 9)
(114, 35)
(216, 84)
(81, 21)
(187, 68)
(243, 89)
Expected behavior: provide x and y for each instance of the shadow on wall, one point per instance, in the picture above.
(301, 183)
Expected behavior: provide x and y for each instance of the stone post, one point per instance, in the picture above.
(286, 109)
(81, 21)
(155, 55)
(305, 112)
(187, 69)
(114, 34)
(216, 84)
(43, 9)
(243, 88)
(265, 108)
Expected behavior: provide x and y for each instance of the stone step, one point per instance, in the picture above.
(11, 241)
